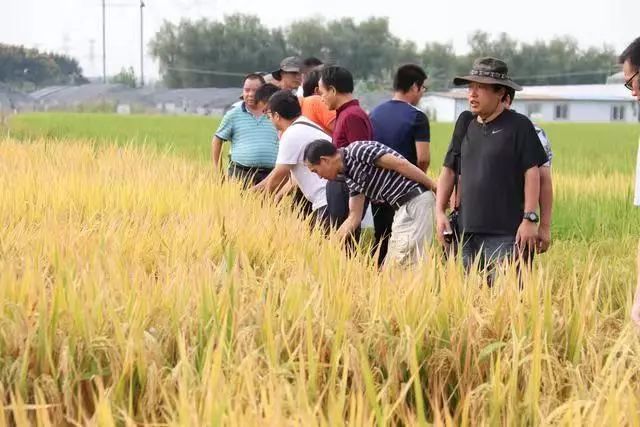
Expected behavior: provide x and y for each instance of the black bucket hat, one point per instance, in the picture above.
(489, 71)
(291, 64)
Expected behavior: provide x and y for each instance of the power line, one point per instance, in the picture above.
(432, 78)
(569, 74)
(200, 71)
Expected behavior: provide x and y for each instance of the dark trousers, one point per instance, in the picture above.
(301, 202)
(492, 250)
(323, 218)
(250, 175)
(382, 221)
(338, 207)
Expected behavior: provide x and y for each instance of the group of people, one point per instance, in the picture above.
(300, 130)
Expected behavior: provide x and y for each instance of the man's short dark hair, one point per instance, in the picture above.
(407, 76)
(496, 88)
(253, 76)
(631, 54)
(510, 93)
(317, 149)
(311, 83)
(286, 104)
(311, 62)
(338, 77)
(265, 91)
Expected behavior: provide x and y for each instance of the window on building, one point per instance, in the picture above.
(618, 113)
(562, 112)
(534, 109)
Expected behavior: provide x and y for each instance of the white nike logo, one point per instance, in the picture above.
(496, 131)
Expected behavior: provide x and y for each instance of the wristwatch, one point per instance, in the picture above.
(531, 216)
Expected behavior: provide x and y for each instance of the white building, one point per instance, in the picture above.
(580, 103)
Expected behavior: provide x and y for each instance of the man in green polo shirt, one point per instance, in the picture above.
(253, 138)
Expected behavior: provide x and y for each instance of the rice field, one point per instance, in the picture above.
(137, 287)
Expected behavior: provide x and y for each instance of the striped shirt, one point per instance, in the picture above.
(546, 144)
(364, 177)
(254, 140)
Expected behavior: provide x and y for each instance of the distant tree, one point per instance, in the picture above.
(29, 68)
(441, 63)
(217, 54)
(310, 37)
(212, 53)
(126, 77)
(559, 61)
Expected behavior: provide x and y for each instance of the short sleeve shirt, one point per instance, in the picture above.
(254, 140)
(364, 177)
(493, 161)
(317, 111)
(546, 144)
(293, 142)
(400, 125)
(352, 124)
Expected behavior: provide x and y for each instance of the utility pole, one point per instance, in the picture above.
(104, 42)
(92, 54)
(141, 44)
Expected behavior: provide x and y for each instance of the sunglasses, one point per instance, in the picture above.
(629, 83)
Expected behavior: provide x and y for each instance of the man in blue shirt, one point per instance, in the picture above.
(254, 139)
(398, 124)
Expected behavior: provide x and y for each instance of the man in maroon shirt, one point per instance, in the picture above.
(352, 124)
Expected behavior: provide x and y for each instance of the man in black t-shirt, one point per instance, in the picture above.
(499, 160)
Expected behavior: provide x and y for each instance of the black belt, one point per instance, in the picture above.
(249, 168)
(408, 196)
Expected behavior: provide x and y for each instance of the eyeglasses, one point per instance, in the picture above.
(629, 83)
(269, 113)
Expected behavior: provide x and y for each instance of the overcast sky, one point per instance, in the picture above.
(74, 26)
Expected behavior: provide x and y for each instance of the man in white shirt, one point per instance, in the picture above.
(630, 60)
(284, 111)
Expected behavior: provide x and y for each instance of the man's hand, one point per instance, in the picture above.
(544, 239)
(442, 225)
(527, 236)
(353, 221)
(344, 231)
